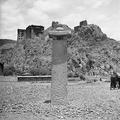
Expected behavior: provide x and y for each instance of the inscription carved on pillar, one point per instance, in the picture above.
(59, 64)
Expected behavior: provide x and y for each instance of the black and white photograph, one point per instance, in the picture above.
(59, 59)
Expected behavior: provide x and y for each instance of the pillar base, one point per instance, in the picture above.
(58, 85)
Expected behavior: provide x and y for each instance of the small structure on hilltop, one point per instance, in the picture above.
(54, 24)
(1, 69)
(30, 32)
(82, 23)
(21, 35)
(33, 31)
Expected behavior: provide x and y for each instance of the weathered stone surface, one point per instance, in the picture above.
(58, 85)
(83, 23)
(76, 28)
(21, 36)
(33, 30)
(54, 24)
(59, 65)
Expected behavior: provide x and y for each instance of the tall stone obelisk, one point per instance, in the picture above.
(59, 34)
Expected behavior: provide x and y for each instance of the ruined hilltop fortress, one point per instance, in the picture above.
(30, 32)
(33, 31)
(33, 48)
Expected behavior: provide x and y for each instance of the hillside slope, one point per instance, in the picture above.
(93, 52)
(5, 41)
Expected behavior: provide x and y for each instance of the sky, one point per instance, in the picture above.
(16, 14)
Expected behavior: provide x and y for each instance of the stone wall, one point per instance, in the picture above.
(33, 30)
(82, 23)
(21, 35)
(30, 32)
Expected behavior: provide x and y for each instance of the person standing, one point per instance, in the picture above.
(113, 79)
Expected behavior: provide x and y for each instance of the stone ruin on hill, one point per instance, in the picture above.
(30, 32)
(88, 33)
(54, 24)
(33, 31)
(21, 35)
(82, 23)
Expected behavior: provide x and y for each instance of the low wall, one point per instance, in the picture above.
(34, 78)
(49, 78)
(46, 78)
(97, 78)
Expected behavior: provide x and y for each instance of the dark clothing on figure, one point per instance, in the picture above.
(115, 81)
(118, 80)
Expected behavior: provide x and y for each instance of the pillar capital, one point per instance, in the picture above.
(60, 32)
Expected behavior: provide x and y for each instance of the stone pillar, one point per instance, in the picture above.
(59, 64)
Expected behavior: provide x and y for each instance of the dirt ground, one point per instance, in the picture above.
(87, 101)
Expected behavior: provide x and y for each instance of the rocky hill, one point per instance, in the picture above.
(5, 41)
(93, 52)
(90, 51)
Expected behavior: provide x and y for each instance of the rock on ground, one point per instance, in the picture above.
(87, 101)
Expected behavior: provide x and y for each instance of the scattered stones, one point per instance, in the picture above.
(90, 102)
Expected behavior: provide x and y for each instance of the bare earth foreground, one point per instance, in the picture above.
(88, 101)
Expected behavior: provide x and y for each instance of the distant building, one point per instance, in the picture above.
(54, 24)
(21, 35)
(82, 23)
(30, 32)
(33, 31)
(76, 28)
